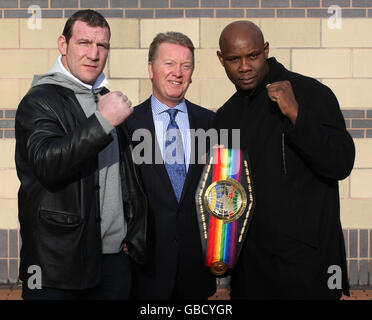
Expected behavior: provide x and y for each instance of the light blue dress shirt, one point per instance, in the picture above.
(161, 121)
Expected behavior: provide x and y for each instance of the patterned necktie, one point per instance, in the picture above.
(174, 155)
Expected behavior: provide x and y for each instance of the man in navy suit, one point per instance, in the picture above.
(175, 268)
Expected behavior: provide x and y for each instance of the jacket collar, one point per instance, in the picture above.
(100, 82)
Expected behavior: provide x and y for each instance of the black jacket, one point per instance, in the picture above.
(176, 259)
(57, 164)
(296, 234)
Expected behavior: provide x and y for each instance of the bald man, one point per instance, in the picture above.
(294, 132)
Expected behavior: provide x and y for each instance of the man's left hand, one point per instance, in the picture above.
(281, 92)
(125, 248)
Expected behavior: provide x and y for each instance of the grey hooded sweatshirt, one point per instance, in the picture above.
(113, 225)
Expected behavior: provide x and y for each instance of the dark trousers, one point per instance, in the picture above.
(115, 284)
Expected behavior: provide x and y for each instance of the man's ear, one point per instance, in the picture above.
(220, 57)
(266, 50)
(62, 45)
(149, 67)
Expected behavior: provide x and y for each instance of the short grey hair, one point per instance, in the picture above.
(170, 37)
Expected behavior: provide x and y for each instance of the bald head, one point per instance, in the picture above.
(243, 54)
(240, 29)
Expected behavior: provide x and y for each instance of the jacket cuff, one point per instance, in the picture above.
(301, 127)
(107, 126)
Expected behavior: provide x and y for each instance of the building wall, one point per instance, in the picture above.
(303, 35)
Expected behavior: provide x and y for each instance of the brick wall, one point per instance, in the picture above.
(305, 44)
(7, 123)
(299, 34)
(358, 122)
(190, 8)
(9, 255)
(358, 243)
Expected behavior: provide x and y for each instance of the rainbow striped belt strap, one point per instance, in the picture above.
(222, 235)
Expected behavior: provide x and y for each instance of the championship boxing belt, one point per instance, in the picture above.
(225, 203)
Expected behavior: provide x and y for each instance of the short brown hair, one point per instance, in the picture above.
(91, 17)
(170, 37)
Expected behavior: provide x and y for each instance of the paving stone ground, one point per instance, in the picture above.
(360, 294)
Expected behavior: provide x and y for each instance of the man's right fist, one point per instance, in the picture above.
(115, 107)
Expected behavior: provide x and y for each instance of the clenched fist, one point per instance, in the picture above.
(115, 107)
(281, 92)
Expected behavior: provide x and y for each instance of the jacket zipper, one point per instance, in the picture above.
(96, 183)
(283, 154)
(95, 95)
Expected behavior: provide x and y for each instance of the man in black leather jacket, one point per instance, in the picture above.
(80, 202)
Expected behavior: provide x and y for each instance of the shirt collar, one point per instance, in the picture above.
(100, 82)
(159, 107)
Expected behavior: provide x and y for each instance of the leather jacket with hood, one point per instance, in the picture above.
(56, 157)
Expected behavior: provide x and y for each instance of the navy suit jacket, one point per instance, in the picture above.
(176, 260)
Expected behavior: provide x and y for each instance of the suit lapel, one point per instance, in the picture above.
(157, 161)
(193, 166)
(145, 120)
